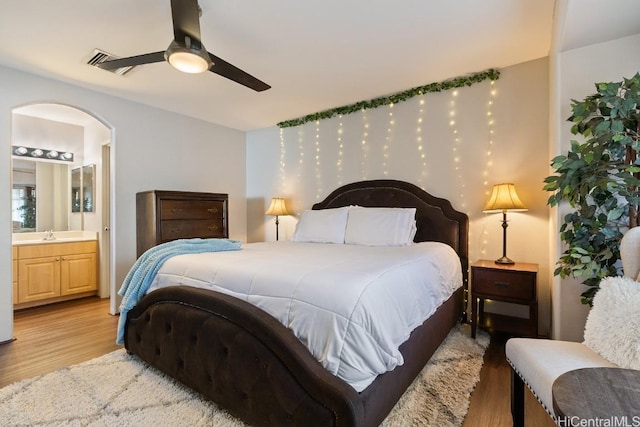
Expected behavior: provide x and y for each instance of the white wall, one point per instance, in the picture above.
(153, 149)
(574, 76)
(464, 156)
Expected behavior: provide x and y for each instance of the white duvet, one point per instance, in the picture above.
(351, 305)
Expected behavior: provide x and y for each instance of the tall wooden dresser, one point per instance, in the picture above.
(163, 216)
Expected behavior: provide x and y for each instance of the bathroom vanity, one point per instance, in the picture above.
(52, 268)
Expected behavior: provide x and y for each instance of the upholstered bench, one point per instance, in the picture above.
(611, 338)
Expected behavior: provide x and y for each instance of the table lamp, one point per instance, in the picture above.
(277, 207)
(504, 198)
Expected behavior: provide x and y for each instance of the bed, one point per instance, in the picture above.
(248, 362)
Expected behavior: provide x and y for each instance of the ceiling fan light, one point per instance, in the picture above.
(188, 60)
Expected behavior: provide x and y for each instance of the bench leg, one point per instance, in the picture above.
(517, 399)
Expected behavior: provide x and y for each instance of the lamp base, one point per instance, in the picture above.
(504, 260)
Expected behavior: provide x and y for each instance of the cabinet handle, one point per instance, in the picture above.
(501, 284)
(176, 210)
(64, 258)
(57, 259)
(212, 227)
(212, 210)
(175, 230)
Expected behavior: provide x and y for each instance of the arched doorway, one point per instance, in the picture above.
(64, 128)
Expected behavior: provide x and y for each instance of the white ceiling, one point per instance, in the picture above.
(315, 55)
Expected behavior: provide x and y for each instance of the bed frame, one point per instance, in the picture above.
(254, 367)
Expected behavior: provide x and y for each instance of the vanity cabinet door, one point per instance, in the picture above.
(38, 278)
(52, 272)
(77, 273)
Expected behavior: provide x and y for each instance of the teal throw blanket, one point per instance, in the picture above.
(144, 270)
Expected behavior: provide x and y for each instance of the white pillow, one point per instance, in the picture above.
(613, 325)
(381, 226)
(321, 226)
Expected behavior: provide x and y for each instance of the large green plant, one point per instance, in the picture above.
(598, 177)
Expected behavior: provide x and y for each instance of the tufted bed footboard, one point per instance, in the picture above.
(250, 364)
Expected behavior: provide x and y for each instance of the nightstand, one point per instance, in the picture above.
(513, 283)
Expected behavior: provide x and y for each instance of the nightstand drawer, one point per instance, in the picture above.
(506, 284)
(514, 283)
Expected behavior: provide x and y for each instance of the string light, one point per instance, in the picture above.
(363, 144)
(457, 152)
(317, 162)
(300, 154)
(488, 161)
(340, 150)
(387, 143)
(339, 146)
(419, 144)
(283, 179)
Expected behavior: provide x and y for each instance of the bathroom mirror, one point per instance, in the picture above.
(76, 190)
(39, 196)
(82, 188)
(88, 186)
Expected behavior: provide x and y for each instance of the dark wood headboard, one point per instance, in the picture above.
(436, 219)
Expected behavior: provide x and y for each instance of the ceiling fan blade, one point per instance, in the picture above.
(186, 20)
(147, 58)
(223, 68)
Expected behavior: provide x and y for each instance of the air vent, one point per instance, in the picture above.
(98, 56)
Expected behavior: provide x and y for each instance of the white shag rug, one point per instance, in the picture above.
(120, 390)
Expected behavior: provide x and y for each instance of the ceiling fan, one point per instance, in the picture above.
(186, 52)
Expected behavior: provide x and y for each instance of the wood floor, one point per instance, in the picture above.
(48, 338)
(58, 335)
(490, 403)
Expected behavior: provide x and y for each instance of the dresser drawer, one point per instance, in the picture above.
(191, 209)
(182, 229)
(506, 284)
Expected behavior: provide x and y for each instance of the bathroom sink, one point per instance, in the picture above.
(58, 237)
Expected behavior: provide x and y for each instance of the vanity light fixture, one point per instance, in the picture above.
(39, 153)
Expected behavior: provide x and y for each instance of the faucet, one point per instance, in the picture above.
(49, 235)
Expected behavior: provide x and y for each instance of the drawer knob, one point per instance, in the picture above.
(212, 210)
(213, 227)
(174, 210)
(502, 284)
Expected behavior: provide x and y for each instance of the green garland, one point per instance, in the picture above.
(455, 82)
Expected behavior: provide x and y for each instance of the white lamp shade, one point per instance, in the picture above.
(278, 207)
(504, 198)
